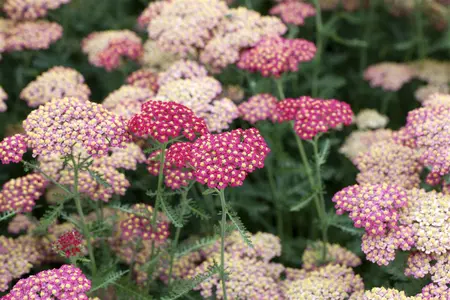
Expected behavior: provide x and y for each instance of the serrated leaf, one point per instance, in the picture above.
(99, 178)
(349, 229)
(197, 211)
(171, 213)
(209, 192)
(6, 215)
(109, 279)
(304, 202)
(195, 246)
(49, 217)
(237, 222)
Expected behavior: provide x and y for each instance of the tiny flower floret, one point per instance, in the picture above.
(13, 148)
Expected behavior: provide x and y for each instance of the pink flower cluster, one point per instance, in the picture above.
(58, 82)
(336, 255)
(127, 100)
(30, 9)
(293, 12)
(151, 11)
(20, 194)
(163, 121)
(258, 108)
(62, 123)
(225, 159)
(312, 116)
(138, 225)
(13, 148)
(32, 35)
(144, 78)
(106, 48)
(183, 69)
(67, 282)
(389, 76)
(276, 55)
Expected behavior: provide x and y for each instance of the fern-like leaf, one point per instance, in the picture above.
(6, 215)
(99, 178)
(237, 222)
(182, 287)
(49, 217)
(171, 213)
(187, 248)
(197, 211)
(108, 280)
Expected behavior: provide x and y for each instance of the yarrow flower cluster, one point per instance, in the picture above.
(163, 121)
(69, 243)
(20, 223)
(30, 9)
(144, 78)
(370, 119)
(67, 282)
(183, 69)
(155, 58)
(258, 108)
(3, 98)
(20, 194)
(359, 142)
(58, 82)
(225, 159)
(239, 29)
(127, 100)
(332, 282)
(13, 148)
(276, 55)
(32, 35)
(312, 116)
(152, 10)
(106, 48)
(336, 255)
(388, 75)
(293, 12)
(389, 162)
(138, 225)
(62, 123)
(184, 26)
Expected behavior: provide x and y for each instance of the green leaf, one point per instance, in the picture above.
(108, 280)
(99, 178)
(196, 210)
(237, 222)
(304, 202)
(6, 215)
(324, 152)
(182, 287)
(209, 192)
(405, 45)
(171, 213)
(49, 217)
(187, 248)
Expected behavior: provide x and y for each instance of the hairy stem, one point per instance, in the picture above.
(278, 207)
(279, 84)
(319, 46)
(223, 224)
(177, 236)
(421, 41)
(367, 32)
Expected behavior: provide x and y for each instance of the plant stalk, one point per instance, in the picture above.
(223, 224)
(319, 46)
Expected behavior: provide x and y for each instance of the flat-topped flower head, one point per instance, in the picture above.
(3, 98)
(32, 35)
(155, 58)
(225, 159)
(152, 10)
(389, 162)
(432, 71)
(69, 243)
(127, 100)
(30, 9)
(20, 223)
(13, 148)
(138, 226)
(58, 82)
(389, 76)
(336, 255)
(67, 282)
(293, 12)
(107, 48)
(374, 207)
(379, 293)
(258, 108)
(20, 194)
(312, 116)
(163, 121)
(219, 114)
(276, 55)
(60, 124)
(370, 119)
(144, 78)
(184, 26)
(182, 69)
(434, 291)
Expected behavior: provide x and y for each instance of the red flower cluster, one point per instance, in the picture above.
(276, 55)
(12, 148)
(165, 120)
(70, 243)
(312, 116)
(226, 158)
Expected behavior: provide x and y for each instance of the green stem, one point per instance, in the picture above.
(279, 84)
(223, 224)
(278, 206)
(367, 33)
(86, 232)
(421, 42)
(177, 236)
(319, 46)
(249, 4)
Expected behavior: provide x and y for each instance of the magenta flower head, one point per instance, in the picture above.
(138, 225)
(225, 159)
(13, 148)
(163, 121)
(374, 207)
(67, 282)
(177, 170)
(276, 55)
(32, 35)
(293, 12)
(106, 48)
(20, 194)
(60, 124)
(312, 116)
(257, 108)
